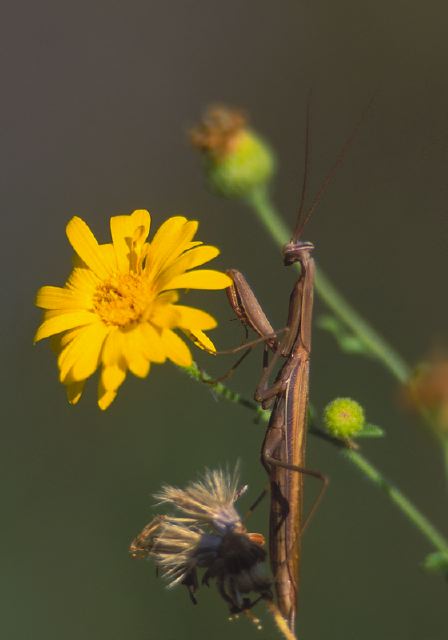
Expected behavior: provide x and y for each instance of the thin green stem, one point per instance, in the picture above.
(420, 521)
(371, 339)
(261, 203)
(221, 390)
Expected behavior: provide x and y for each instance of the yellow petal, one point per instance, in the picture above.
(105, 398)
(123, 230)
(165, 316)
(112, 377)
(86, 246)
(169, 242)
(140, 367)
(81, 356)
(185, 262)
(176, 349)
(60, 341)
(133, 352)
(200, 279)
(191, 318)
(141, 221)
(121, 237)
(166, 231)
(201, 340)
(152, 344)
(62, 298)
(74, 391)
(84, 280)
(64, 321)
(195, 257)
(167, 297)
(113, 349)
(107, 253)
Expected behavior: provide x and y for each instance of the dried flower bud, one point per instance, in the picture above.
(344, 417)
(236, 160)
(427, 390)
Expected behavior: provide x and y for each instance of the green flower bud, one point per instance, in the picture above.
(237, 161)
(343, 417)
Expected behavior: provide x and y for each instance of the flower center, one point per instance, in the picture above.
(123, 299)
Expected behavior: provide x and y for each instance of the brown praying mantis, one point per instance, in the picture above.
(283, 448)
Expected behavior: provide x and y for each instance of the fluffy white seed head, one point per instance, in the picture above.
(206, 534)
(173, 549)
(209, 500)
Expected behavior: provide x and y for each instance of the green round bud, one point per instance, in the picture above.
(248, 164)
(343, 417)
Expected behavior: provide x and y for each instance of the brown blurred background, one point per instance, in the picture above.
(96, 100)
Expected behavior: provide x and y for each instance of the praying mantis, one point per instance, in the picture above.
(283, 449)
(284, 444)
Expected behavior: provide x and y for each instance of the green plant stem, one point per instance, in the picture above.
(399, 499)
(411, 512)
(221, 390)
(261, 203)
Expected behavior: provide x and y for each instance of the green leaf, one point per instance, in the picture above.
(370, 431)
(437, 562)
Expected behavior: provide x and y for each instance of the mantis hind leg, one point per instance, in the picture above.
(255, 504)
(247, 348)
(268, 459)
(227, 374)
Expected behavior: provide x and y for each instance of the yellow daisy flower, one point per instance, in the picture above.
(119, 306)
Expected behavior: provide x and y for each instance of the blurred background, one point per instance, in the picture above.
(97, 98)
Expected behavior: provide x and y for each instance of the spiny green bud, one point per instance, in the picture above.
(237, 161)
(343, 417)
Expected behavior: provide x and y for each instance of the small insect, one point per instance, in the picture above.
(209, 535)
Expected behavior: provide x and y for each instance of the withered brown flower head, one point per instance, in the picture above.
(218, 132)
(210, 536)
